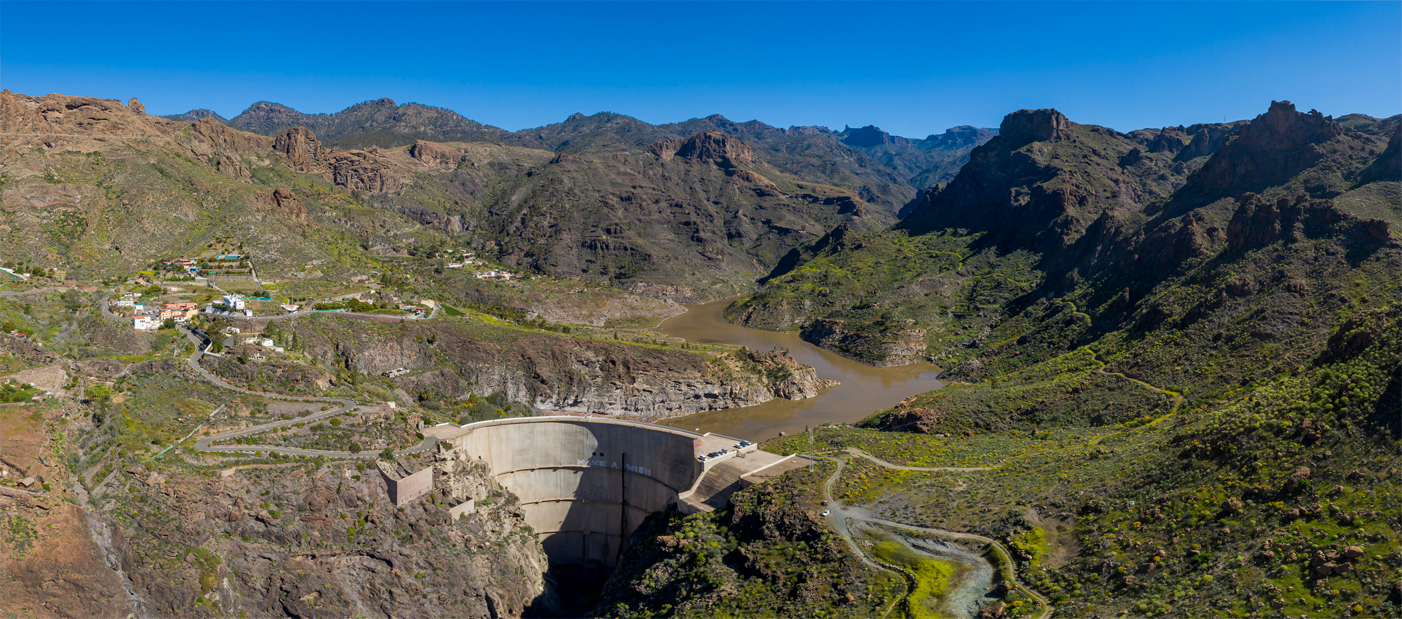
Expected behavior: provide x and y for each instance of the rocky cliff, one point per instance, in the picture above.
(896, 345)
(310, 540)
(1268, 151)
(450, 360)
(788, 378)
(710, 147)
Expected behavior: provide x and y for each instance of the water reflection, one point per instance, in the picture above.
(864, 389)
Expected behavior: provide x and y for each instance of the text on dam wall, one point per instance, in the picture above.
(614, 465)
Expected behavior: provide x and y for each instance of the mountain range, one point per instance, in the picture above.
(883, 168)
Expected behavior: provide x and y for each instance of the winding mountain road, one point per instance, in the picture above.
(206, 443)
(857, 452)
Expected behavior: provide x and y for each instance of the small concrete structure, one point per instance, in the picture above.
(466, 507)
(405, 481)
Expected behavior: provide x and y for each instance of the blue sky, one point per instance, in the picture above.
(912, 69)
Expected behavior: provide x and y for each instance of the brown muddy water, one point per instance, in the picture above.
(863, 389)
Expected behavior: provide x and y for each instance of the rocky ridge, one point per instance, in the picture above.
(451, 361)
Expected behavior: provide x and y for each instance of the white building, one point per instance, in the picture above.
(233, 301)
(146, 323)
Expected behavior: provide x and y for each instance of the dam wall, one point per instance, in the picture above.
(584, 484)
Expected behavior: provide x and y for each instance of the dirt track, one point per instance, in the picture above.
(839, 517)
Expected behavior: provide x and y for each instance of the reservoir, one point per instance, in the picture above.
(863, 390)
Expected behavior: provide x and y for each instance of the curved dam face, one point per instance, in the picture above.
(586, 484)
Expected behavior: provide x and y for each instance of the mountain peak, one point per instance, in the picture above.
(866, 136)
(1271, 148)
(1026, 126)
(1282, 127)
(711, 147)
(963, 135)
(197, 114)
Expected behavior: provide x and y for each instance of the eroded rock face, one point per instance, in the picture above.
(917, 420)
(302, 149)
(1267, 151)
(868, 136)
(788, 378)
(358, 170)
(710, 147)
(898, 346)
(65, 573)
(75, 123)
(362, 171)
(962, 136)
(1025, 126)
(434, 154)
(213, 137)
(328, 542)
(555, 373)
(286, 204)
(1258, 221)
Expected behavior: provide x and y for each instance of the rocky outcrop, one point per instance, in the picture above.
(1021, 189)
(326, 542)
(208, 137)
(434, 219)
(901, 345)
(1269, 150)
(357, 170)
(788, 378)
(918, 420)
(360, 170)
(710, 147)
(448, 361)
(303, 151)
(1024, 126)
(1204, 140)
(288, 206)
(76, 123)
(434, 154)
(868, 136)
(762, 186)
(1258, 221)
(963, 136)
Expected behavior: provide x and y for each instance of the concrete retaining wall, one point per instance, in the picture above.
(409, 488)
(466, 507)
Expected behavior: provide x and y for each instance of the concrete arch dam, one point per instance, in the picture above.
(585, 484)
